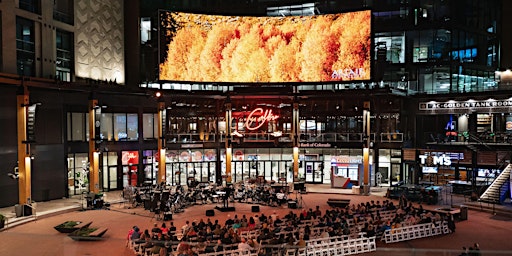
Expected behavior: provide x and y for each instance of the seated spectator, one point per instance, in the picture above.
(144, 237)
(253, 243)
(128, 237)
(243, 245)
(301, 242)
(164, 229)
(136, 234)
(183, 248)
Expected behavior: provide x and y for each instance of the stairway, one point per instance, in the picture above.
(495, 193)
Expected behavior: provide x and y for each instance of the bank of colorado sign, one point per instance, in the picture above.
(470, 104)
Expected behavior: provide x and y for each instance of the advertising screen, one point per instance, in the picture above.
(242, 49)
(429, 169)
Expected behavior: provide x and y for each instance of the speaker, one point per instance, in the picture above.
(298, 186)
(210, 213)
(255, 208)
(292, 204)
(167, 216)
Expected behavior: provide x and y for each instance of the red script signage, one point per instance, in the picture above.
(258, 117)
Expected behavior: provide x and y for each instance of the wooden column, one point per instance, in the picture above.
(295, 140)
(366, 148)
(228, 146)
(24, 161)
(94, 185)
(161, 142)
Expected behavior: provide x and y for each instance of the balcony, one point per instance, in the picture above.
(285, 137)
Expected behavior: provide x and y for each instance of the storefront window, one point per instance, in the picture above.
(78, 173)
(150, 162)
(130, 161)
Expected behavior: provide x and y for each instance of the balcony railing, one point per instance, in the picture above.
(285, 137)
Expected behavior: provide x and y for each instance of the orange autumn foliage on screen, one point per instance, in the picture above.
(207, 48)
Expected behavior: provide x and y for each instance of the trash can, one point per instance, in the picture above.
(18, 209)
(463, 212)
(27, 210)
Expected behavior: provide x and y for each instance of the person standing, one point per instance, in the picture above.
(451, 223)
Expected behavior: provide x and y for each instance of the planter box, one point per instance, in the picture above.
(88, 234)
(70, 226)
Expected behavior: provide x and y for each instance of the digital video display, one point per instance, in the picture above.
(241, 49)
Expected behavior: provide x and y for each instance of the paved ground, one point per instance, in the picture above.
(37, 237)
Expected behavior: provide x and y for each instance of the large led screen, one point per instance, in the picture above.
(322, 48)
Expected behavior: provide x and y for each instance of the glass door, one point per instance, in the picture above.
(112, 177)
(314, 171)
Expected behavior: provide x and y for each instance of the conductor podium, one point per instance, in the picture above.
(224, 202)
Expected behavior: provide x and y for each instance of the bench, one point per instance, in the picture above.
(342, 203)
(98, 232)
(83, 225)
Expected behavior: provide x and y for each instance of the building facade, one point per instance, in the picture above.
(438, 87)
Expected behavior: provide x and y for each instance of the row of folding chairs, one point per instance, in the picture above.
(340, 247)
(140, 250)
(250, 234)
(416, 231)
(232, 253)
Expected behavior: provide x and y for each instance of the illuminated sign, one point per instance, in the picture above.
(315, 145)
(435, 160)
(244, 49)
(130, 157)
(258, 117)
(470, 104)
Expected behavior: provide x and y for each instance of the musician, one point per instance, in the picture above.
(280, 198)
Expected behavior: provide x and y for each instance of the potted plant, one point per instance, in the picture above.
(2, 221)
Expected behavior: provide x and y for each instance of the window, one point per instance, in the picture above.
(64, 46)
(120, 127)
(390, 46)
(77, 129)
(149, 126)
(114, 126)
(132, 127)
(106, 129)
(63, 11)
(145, 30)
(25, 49)
(33, 6)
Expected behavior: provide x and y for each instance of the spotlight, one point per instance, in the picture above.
(158, 94)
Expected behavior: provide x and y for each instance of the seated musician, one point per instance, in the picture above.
(281, 198)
